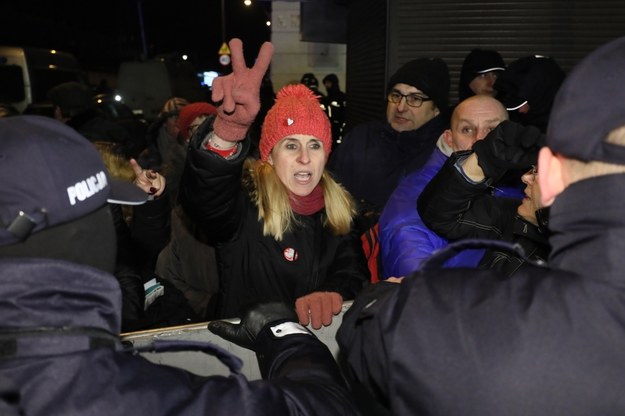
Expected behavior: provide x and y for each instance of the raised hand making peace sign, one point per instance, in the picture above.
(238, 93)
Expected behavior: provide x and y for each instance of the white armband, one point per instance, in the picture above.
(288, 328)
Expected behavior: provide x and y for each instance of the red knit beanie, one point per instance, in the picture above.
(190, 112)
(296, 111)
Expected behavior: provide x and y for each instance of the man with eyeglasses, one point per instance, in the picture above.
(374, 156)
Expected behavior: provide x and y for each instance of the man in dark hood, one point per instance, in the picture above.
(528, 87)
(479, 72)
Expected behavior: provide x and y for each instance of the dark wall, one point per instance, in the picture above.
(397, 31)
(367, 46)
(323, 21)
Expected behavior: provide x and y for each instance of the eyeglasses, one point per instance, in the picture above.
(413, 100)
(532, 172)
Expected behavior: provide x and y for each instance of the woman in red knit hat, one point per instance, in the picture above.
(282, 226)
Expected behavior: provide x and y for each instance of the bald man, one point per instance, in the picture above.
(405, 240)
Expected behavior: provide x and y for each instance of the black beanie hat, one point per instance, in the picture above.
(478, 61)
(430, 75)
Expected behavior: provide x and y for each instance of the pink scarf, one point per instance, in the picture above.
(309, 204)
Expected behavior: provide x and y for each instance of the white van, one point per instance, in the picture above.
(26, 74)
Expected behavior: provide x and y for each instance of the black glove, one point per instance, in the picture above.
(254, 319)
(509, 146)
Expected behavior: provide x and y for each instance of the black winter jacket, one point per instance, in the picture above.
(456, 209)
(254, 267)
(373, 158)
(548, 341)
(59, 347)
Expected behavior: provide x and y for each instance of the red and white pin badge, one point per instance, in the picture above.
(290, 254)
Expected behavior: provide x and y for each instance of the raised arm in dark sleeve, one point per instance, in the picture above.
(210, 188)
(455, 207)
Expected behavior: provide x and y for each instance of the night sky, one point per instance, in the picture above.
(104, 33)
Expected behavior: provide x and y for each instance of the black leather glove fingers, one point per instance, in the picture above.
(509, 146)
(532, 138)
(518, 143)
(253, 320)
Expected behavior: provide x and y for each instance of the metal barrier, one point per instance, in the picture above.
(205, 365)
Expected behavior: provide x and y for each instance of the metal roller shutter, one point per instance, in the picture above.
(566, 30)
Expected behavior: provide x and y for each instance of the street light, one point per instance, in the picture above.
(247, 2)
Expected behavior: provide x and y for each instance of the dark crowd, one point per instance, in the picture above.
(476, 244)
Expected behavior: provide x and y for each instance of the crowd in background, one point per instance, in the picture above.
(384, 165)
(261, 198)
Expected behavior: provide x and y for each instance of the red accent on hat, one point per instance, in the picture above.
(296, 111)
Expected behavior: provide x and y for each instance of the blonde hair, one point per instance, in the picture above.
(272, 200)
(118, 167)
(578, 170)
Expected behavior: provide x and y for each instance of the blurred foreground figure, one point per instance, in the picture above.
(547, 341)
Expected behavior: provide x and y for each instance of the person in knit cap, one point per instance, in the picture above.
(188, 119)
(374, 156)
(480, 70)
(191, 117)
(281, 224)
(162, 134)
(169, 114)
